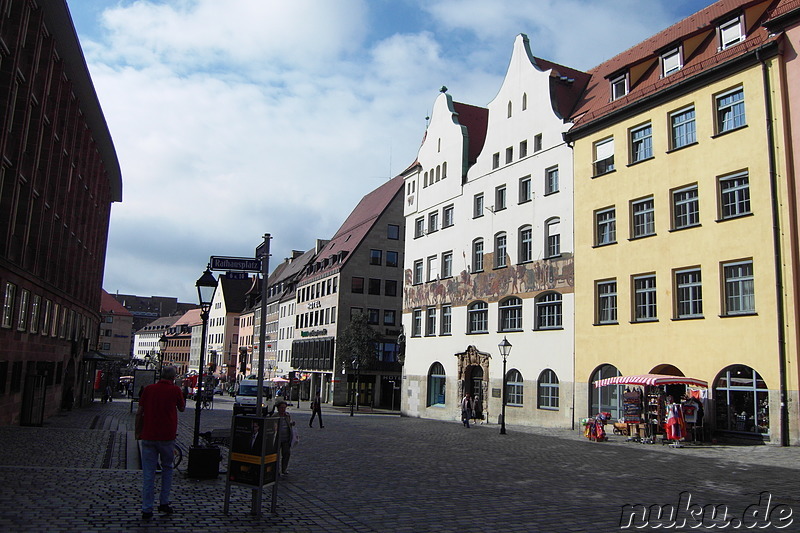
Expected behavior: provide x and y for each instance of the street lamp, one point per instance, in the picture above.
(206, 286)
(162, 346)
(505, 349)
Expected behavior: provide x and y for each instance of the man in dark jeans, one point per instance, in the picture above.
(316, 410)
(157, 427)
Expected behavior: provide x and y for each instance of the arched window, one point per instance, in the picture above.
(552, 237)
(548, 390)
(514, 388)
(605, 399)
(500, 249)
(524, 101)
(548, 311)
(509, 109)
(425, 181)
(477, 255)
(511, 314)
(525, 244)
(742, 398)
(438, 172)
(478, 317)
(444, 170)
(436, 384)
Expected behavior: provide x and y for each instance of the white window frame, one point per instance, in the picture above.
(688, 293)
(477, 255)
(478, 317)
(685, 207)
(526, 244)
(619, 86)
(641, 142)
(447, 320)
(606, 301)
(430, 321)
(447, 264)
(551, 180)
(603, 156)
(419, 227)
(510, 311)
(525, 189)
(734, 195)
(731, 33)
(643, 217)
(671, 62)
(418, 271)
(731, 115)
(605, 222)
(416, 323)
(433, 221)
(447, 216)
(645, 307)
(547, 396)
(477, 205)
(514, 388)
(500, 250)
(552, 237)
(500, 198)
(549, 311)
(739, 297)
(683, 128)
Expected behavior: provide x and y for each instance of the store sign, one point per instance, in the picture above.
(314, 333)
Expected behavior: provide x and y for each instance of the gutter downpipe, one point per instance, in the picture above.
(776, 239)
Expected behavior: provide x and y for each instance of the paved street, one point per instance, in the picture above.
(379, 472)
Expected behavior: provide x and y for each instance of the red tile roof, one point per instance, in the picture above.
(476, 120)
(109, 305)
(698, 35)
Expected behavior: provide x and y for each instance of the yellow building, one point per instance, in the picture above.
(682, 228)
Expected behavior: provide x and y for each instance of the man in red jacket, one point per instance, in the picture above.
(157, 427)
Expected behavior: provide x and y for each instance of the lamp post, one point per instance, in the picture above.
(505, 349)
(162, 347)
(206, 286)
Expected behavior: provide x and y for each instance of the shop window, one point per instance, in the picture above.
(548, 390)
(742, 401)
(606, 399)
(437, 380)
(514, 388)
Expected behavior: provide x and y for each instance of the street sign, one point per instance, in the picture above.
(236, 275)
(244, 264)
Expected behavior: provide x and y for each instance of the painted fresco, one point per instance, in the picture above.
(525, 280)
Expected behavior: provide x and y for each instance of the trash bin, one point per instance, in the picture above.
(204, 462)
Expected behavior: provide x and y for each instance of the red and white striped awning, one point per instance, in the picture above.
(652, 379)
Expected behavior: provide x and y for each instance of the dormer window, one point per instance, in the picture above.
(671, 62)
(619, 86)
(731, 33)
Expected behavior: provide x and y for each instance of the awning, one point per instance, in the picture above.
(652, 379)
(280, 380)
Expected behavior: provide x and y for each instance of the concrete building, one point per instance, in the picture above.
(114, 338)
(146, 347)
(179, 341)
(686, 226)
(59, 175)
(223, 326)
(489, 251)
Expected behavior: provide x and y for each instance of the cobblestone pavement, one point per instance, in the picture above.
(378, 473)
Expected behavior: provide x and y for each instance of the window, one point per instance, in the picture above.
(433, 222)
(537, 142)
(447, 216)
(734, 194)
(525, 189)
(548, 390)
(477, 206)
(643, 222)
(24, 300)
(641, 143)
(683, 128)
(644, 304)
(388, 317)
(671, 62)
(548, 311)
(509, 109)
(500, 243)
(416, 323)
(392, 259)
(688, 294)
(730, 33)
(35, 310)
(433, 268)
(390, 287)
(447, 320)
(553, 237)
(419, 227)
(685, 208)
(430, 322)
(417, 272)
(511, 314)
(375, 257)
(357, 285)
(447, 264)
(500, 198)
(46, 316)
(604, 156)
(514, 388)
(8, 304)
(619, 86)
(606, 302)
(523, 149)
(525, 244)
(551, 180)
(730, 111)
(524, 101)
(739, 288)
(373, 315)
(374, 286)
(478, 314)
(509, 154)
(605, 227)
(496, 160)
(436, 384)
(477, 255)
(393, 232)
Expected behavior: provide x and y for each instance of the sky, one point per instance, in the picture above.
(236, 118)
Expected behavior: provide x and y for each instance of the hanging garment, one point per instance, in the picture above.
(676, 426)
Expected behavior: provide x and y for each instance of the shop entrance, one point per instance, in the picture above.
(473, 372)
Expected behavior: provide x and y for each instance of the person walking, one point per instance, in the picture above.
(157, 427)
(467, 408)
(316, 410)
(286, 434)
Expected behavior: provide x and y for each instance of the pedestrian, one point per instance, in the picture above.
(316, 410)
(286, 433)
(157, 427)
(109, 393)
(467, 407)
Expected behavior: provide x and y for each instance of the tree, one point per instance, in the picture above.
(356, 342)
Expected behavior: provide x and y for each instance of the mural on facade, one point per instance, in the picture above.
(527, 279)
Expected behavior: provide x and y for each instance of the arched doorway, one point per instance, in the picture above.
(605, 399)
(473, 377)
(742, 401)
(474, 384)
(675, 390)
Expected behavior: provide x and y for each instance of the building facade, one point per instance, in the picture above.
(114, 338)
(489, 252)
(59, 175)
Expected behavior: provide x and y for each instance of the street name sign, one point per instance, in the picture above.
(242, 264)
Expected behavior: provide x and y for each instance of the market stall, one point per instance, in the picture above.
(659, 405)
